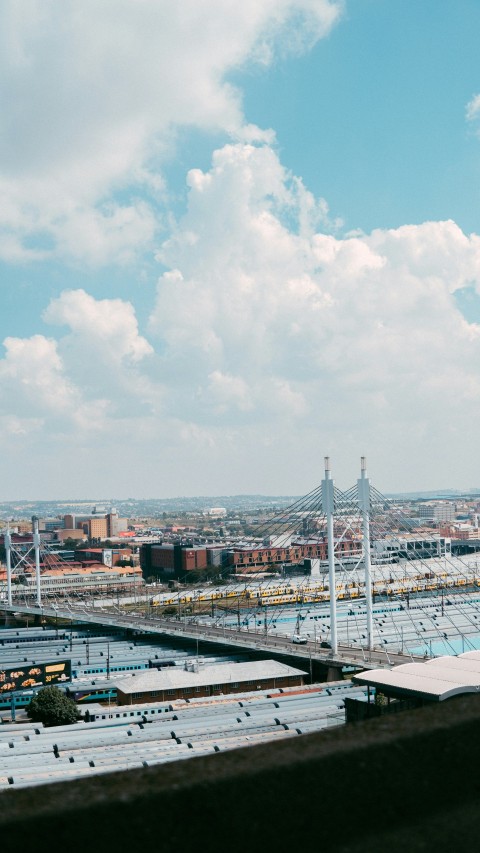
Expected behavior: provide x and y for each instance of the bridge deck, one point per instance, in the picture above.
(253, 640)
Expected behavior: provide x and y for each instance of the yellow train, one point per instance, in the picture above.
(273, 600)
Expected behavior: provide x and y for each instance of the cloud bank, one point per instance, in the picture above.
(270, 342)
(93, 94)
(272, 338)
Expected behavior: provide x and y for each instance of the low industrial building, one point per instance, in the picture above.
(106, 556)
(62, 579)
(270, 555)
(205, 680)
(177, 560)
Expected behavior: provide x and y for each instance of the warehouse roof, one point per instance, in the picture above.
(174, 678)
(437, 679)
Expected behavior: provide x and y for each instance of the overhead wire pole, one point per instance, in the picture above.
(363, 485)
(384, 532)
(328, 507)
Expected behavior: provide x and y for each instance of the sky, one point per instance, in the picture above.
(236, 238)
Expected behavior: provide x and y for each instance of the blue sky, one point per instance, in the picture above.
(373, 118)
(236, 239)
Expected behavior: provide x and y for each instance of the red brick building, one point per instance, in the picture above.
(172, 560)
(245, 559)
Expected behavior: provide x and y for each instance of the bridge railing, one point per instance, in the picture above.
(345, 654)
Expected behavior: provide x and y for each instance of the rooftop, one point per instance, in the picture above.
(437, 679)
(175, 678)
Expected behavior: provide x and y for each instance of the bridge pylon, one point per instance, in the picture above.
(328, 504)
(363, 491)
(8, 557)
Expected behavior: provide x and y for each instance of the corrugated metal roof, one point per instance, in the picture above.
(437, 679)
(173, 678)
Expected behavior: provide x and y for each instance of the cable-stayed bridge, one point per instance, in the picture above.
(362, 539)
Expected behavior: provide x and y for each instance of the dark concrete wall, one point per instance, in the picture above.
(408, 782)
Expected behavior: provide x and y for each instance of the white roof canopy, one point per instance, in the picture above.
(437, 679)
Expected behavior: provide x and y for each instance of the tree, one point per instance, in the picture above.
(52, 707)
(71, 544)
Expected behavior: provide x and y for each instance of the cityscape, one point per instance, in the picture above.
(226, 584)
(194, 629)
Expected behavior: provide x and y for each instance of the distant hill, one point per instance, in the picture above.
(155, 507)
(446, 494)
(134, 507)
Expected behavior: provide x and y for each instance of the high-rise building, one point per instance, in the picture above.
(97, 526)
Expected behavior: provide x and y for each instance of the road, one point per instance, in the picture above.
(247, 639)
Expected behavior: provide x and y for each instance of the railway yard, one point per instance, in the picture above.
(146, 735)
(421, 607)
(123, 737)
(415, 611)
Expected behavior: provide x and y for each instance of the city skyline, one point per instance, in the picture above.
(136, 507)
(234, 240)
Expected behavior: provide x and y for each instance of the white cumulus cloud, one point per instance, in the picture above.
(360, 335)
(272, 341)
(102, 349)
(91, 95)
(473, 108)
